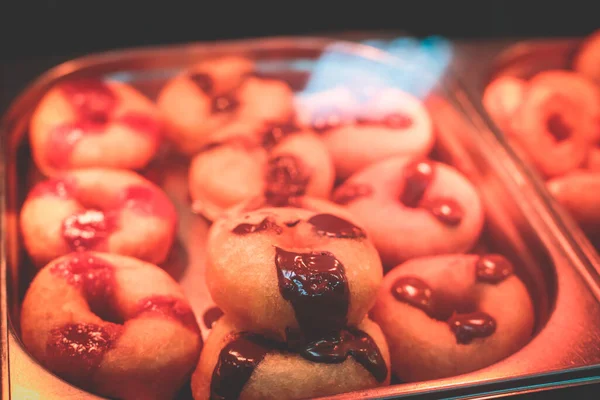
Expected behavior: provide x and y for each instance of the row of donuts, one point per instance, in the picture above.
(553, 118)
(114, 211)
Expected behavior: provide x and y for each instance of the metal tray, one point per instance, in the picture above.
(565, 349)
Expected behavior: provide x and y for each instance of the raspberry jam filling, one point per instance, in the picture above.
(62, 188)
(89, 229)
(168, 307)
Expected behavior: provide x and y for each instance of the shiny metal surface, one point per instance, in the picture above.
(520, 224)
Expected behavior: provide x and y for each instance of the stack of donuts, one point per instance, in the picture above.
(337, 252)
(554, 119)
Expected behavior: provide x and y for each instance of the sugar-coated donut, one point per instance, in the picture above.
(111, 324)
(392, 123)
(82, 123)
(284, 161)
(579, 193)
(115, 211)
(291, 273)
(558, 121)
(502, 98)
(452, 314)
(413, 207)
(587, 60)
(213, 95)
(237, 364)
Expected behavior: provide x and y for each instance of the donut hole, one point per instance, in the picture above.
(558, 127)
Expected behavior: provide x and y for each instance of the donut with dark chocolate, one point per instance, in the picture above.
(282, 162)
(238, 364)
(413, 207)
(218, 97)
(114, 211)
(113, 325)
(393, 123)
(295, 273)
(452, 314)
(91, 123)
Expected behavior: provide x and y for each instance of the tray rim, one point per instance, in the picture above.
(68, 67)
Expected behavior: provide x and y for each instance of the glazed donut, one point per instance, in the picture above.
(452, 314)
(413, 207)
(558, 121)
(82, 123)
(296, 274)
(392, 123)
(502, 98)
(587, 60)
(211, 95)
(287, 161)
(237, 364)
(111, 324)
(114, 211)
(579, 193)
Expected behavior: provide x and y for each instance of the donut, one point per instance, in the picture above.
(391, 123)
(413, 207)
(115, 211)
(112, 325)
(85, 122)
(579, 193)
(558, 121)
(587, 59)
(245, 365)
(216, 93)
(285, 161)
(502, 98)
(452, 314)
(291, 273)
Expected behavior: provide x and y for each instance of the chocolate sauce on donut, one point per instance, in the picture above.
(465, 323)
(285, 177)
(266, 224)
(211, 316)
(75, 351)
(493, 268)
(62, 188)
(237, 361)
(94, 276)
(349, 192)
(203, 81)
(467, 327)
(315, 284)
(169, 307)
(332, 226)
(86, 230)
(558, 128)
(350, 342)
(418, 177)
(291, 224)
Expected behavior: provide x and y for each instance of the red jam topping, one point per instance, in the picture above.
(349, 192)
(493, 268)
(88, 229)
(392, 121)
(315, 284)
(418, 177)
(168, 307)
(265, 225)
(142, 124)
(75, 351)
(94, 276)
(91, 99)
(148, 200)
(63, 188)
(332, 226)
(211, 316)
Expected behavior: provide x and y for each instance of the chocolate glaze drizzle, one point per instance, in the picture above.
(493, 268)
(465, 323)
(266, 224)
(332, 226)
(285, 178)
(315, 284)
(240, 357)
(418, 177)
(349, 192)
